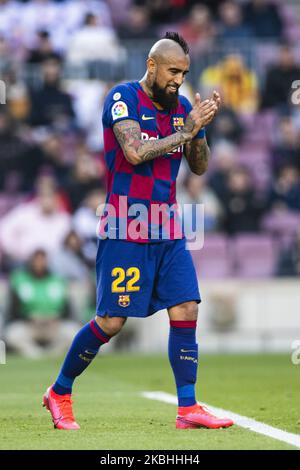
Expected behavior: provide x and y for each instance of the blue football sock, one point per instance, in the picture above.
(183, 356)
(84, 348)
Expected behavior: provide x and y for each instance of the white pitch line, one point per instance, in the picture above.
(243, 421)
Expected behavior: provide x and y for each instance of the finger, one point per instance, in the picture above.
(216, 97)
(211, 101)
(201, 112)
(204, 105)
(202, 117)
(213, 104)
(201, 105)
(210, 107)
(208, 118)
(197, 99)
(208, 111)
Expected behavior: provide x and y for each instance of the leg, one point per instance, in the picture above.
(183, 354)
(84, 348)
(114, 259)
(111, 325)
(183, 350)
(177, 290)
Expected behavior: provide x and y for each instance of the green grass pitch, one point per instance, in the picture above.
(113, 415)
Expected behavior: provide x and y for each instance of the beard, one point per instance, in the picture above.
(167, 100)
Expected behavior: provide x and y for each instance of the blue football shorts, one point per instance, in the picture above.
(138, 279)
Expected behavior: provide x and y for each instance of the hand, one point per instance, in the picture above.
(217, 99)
(202, 114)
(213, 105)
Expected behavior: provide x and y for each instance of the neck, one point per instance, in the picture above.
(146, 85)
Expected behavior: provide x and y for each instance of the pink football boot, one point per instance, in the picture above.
(197, 416)
(60, 407)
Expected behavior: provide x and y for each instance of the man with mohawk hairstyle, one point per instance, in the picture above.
(148, 127)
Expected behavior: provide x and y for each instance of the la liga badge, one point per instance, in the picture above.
(119, 110)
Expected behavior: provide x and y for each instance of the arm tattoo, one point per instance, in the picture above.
(197, 154)
(128, 134)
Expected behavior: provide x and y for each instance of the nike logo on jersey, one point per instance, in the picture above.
(146, 118)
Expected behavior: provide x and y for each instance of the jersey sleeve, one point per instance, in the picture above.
(121, 103)
(188, 108)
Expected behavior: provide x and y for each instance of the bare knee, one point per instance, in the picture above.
(187, 311)
(110, 325)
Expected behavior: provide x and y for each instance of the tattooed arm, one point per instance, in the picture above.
(197, 154)
(197, 151)
(136, 150)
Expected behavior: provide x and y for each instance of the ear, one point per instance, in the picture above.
(151, 65)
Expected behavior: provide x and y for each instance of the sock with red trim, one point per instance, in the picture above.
(84, 348)
(183, 356)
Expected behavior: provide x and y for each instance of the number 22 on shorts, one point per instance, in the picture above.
(132, 276)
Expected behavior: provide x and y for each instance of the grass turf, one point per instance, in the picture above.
(113, 415)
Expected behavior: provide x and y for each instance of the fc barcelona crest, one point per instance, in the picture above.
(178, 123)
(124, 300)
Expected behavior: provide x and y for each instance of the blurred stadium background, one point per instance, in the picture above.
(57, 60)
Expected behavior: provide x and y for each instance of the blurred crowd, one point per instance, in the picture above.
(52, 169)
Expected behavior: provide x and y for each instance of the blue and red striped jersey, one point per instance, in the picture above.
(153, 183)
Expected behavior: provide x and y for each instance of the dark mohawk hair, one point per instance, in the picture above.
(179, 39)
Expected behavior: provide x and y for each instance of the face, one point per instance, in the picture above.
(39, 263)
(230, 13)
(166, 77)
(289, 176)
(73, 242)
(239, 181)
(286, 57)
(51, 71)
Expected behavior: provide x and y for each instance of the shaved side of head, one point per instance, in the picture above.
(163, 49)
